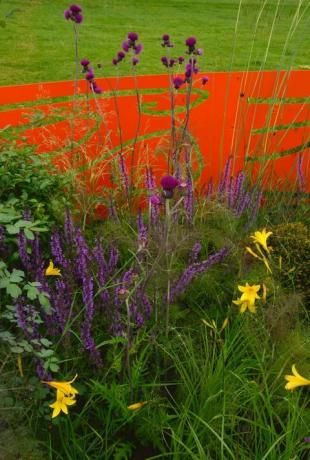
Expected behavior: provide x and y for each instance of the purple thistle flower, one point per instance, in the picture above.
(195, 269)
(67, 14)
(190, 41)
(181, 59)
(78, 18)
(166, 37)
(171, 62)
(133, 36)
(75, 9)
(126, 46)
(90, 75)
(135, 61)
(96, 88)
(85, 62)
(138, 48)
(169, 183)
(114, 61)
(204, 80)
(178, 82)
(120, 55)
(164, 61)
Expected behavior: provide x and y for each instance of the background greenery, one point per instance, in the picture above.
(37, 42)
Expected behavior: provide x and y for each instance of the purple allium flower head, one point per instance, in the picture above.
(114, 61)
(169, 183)
(126, 46)
(181, 59)
(190, 42)
(90, 75)
(138, 48)
(204, 80)
(67, 14)
(178, 82)
(75, 9)
(135, 61)
(166, 37)
(85, 62)
(133, 36)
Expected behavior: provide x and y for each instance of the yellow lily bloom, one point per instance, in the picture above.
(249, 293)
(61, 403)
(136, 406)
(65, 387)
(295, 380)
(245, 305)
(261, 238)
(51, 270)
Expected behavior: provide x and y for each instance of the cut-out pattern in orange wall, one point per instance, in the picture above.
(262, 119)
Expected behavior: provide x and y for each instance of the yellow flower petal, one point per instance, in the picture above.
(65, 387)
(51, 270)
(249, 250)
(295, 380)
(136, 406)
(225, 323)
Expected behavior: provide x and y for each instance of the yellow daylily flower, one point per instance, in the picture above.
(249, 293)
(61, 403)
(136, 406)
(261, 238)
(64, 387)
(295, 380)
(51, 270)
(245, 305)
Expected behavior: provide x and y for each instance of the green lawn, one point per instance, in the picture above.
(37, 42)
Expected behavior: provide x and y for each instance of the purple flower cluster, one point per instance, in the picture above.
(74, 12)
(154, 200)
(127, 45)
(142, 232)
(90, 76)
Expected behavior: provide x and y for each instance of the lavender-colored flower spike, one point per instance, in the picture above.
(57, 250)
(195, 252)
(124, 175)
(142, 232)
(225, 177)
(195, 269)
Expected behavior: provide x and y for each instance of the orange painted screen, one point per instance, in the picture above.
(261, 118)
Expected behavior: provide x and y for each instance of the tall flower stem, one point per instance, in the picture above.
(169, 262)
(136, 134)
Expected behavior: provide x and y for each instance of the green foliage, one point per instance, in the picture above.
(30, 182)
(291, 242)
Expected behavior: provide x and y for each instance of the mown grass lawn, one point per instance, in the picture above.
(36, 44)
